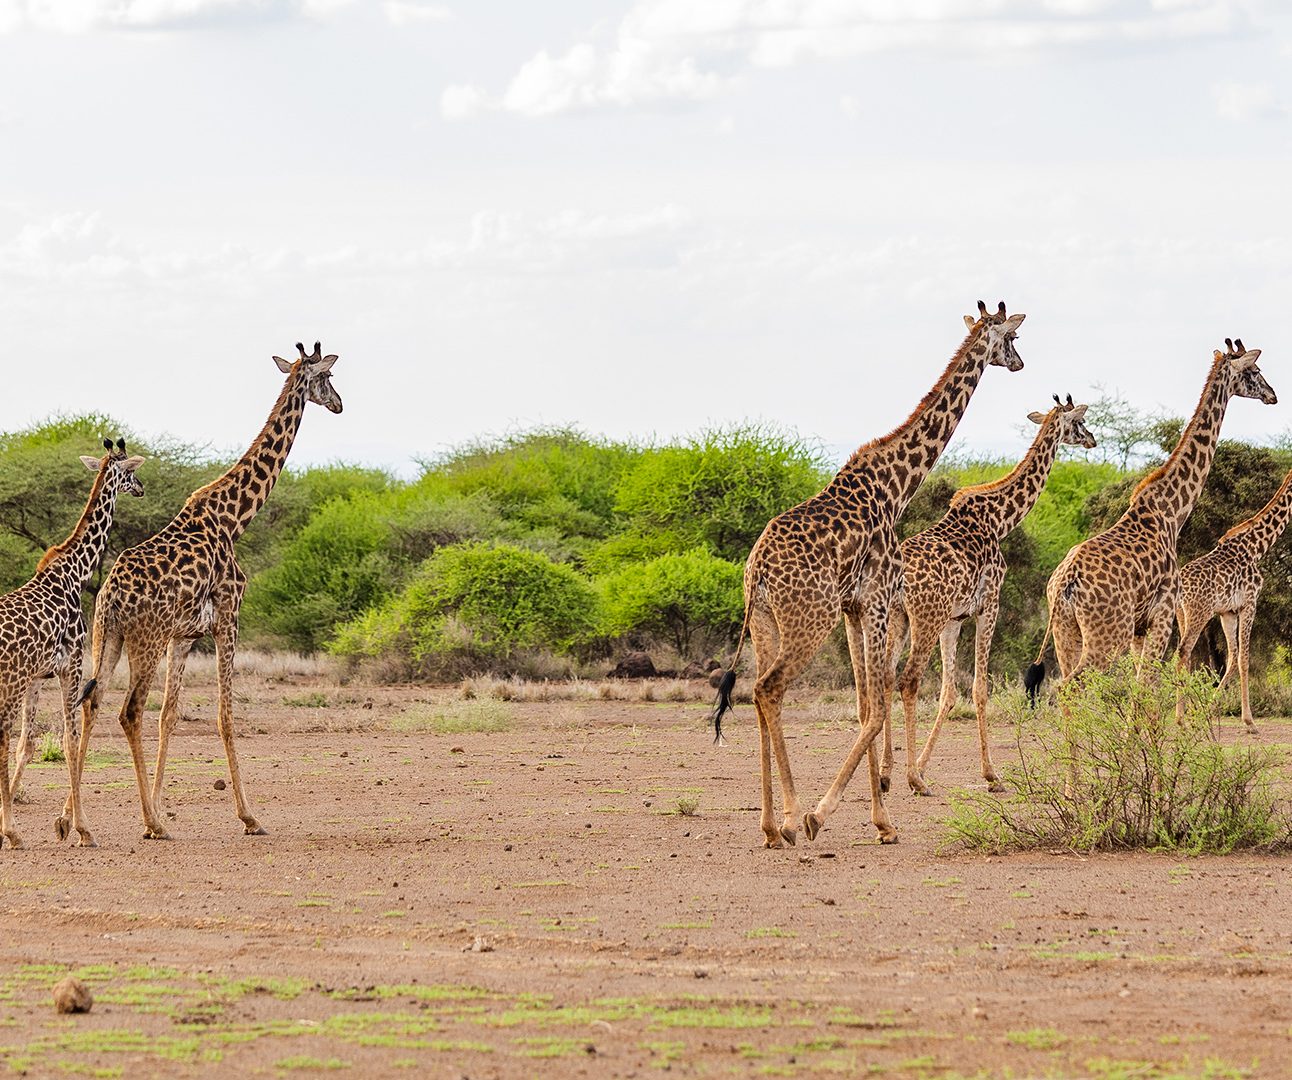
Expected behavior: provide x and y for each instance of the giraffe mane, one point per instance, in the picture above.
(1157, 474)
(1001, 481)
(74, 537)
(927, 400)
(1246, 525)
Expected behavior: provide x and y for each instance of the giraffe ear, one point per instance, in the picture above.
(132, 463)
(1013, 322)
(1079, 413)
(1037, 417)
(969, 321)
(326, 363)
(283, 365)
(91, 463)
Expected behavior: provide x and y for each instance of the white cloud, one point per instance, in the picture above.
(80, 16)
(461, 102)
(413, 12)
(1247, 101)
(674, 50)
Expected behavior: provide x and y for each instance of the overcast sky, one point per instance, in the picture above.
(641, 218)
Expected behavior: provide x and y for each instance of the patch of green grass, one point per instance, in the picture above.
(547, 1046)
(304, 1061)
(484, 715)
(687, 806)
(314, 700)
(51, 748)
(1037, 1038)
(769, 932)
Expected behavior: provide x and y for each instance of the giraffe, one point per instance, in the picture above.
(953, 571)
(42, 631)
(1227, 582)
(185, 582)
(837, 554)
(1117, 591)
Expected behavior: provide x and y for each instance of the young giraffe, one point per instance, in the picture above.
(953, 571)
(1118, 591)
(837, 554)
(42, 630)
(1227, 582)
(184, 583)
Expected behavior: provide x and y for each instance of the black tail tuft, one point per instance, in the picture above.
(722, 705)
(1032, 679)
(89, 689)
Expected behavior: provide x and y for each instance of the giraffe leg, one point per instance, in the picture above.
(984, 628)
(226, 639)
(112, 644)
(874, 635)
(897, 628)
(762, 633)
(8, 712)
(175, 660)
(948, 641)
(26, 746)
(922, 642)
(1246, 616)
(70, 685)
(1229, 624)
(143, 667)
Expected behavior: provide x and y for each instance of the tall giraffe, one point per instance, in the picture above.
(953, 571)
(1227, 582)
(1117, 591)
(185, 582)
(42, 630)
(837, 554)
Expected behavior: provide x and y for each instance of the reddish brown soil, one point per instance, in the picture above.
(618, 936)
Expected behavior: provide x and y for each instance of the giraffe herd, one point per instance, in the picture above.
(837, 555)
(1120, 591)
(159, 598)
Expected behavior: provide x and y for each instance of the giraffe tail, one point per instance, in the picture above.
(86, 692)
(1035, 674)
(722, 704)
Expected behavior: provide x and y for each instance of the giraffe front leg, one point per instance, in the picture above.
(26, 747)
(1245, 618)
(984, 628)
(948, 645)
(70, 684)
(7, 830)
(226, 637)
(896, 638)
(176, 657)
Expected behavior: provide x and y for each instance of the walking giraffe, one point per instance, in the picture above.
(42, 632)
(1118, 591)
(1227, 582)
(184, 583)
(953, 571)
(837, 554)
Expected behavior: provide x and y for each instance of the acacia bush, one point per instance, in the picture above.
(693, 600)
(1140, 777)
(473, 608)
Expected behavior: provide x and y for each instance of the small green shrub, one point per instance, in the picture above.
(471, 608)
(51, 748)
(1141, 777)
(456, 718)
(694, 600)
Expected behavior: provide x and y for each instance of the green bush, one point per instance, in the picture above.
(721, 489)
(694, 600)
(471, 608)
(1140, 777)
(337, 566)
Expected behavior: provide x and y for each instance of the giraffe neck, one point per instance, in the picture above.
(998, 507)
(77, 557)
(1261, 531)
(1173, 488)
(238, 495)
(899, 462)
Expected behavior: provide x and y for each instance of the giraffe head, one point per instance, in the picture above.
(1071, 420)
(998, 333)
(316, 371)
(1245, 377)
(118, 469)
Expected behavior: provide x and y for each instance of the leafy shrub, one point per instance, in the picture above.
(471, 608)
(695, 600)
(1143, 779)
(721, 489)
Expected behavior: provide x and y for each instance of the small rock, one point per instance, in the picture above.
(73, 996)
(219, 785)
(506, 847)
(828, 901)
(978, 1012)
(345, 753)
(456, 750)
(825, 855)
(701, 973)
(481, 944)
(380, 782)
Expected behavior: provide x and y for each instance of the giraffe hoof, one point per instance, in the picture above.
(812, 825)
(996, 787)
(1252, 729)
(86, 840)
(919, 787)
(886, 834)
(156, 834)
(884, 784)
(62, 827)
(15, 841)
(773, 842)
(254, 828)
(790, 835)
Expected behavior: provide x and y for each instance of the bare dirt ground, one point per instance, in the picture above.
(613, 933)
